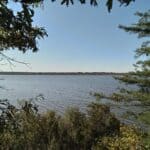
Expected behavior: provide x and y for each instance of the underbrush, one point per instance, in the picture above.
(97, 129)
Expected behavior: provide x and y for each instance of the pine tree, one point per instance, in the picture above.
(141, 75)
(140, 95)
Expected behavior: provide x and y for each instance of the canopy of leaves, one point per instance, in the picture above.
(16, 28)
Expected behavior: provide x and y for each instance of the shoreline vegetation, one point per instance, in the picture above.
(97, 129)
(62, 73)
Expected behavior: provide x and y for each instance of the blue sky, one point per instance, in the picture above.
(82, 38)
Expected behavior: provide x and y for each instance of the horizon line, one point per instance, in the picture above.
(24, 72)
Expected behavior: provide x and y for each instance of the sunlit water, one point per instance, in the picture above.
(62, 91)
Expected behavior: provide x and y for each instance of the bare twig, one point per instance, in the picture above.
(11, 61)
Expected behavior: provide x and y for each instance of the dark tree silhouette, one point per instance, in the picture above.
(17, 30)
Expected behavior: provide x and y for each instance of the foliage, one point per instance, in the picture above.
(16, 28)
(145, 117)
(109, 3)
(98, 96)
(141, 76)
(25, 128)
(128, 138)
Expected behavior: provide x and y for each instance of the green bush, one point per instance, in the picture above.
(128, 139)
(26, 129)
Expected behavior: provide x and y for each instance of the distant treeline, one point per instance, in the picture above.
(60, 73)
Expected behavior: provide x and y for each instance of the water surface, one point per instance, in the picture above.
(62, 91)
(59, 91)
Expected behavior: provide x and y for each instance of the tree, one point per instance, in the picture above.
(17, 30)
(141, 75)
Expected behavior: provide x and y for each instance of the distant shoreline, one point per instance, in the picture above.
(60, 73)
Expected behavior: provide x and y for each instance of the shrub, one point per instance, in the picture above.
(128, 139)
(26, 129)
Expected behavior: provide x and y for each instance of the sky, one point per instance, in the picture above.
(82, 38)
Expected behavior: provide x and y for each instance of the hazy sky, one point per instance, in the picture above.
(82, 38)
